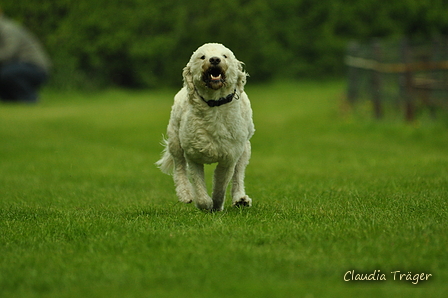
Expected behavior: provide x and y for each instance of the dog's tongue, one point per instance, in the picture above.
(215, 78)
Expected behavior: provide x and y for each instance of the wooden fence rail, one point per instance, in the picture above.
(409, 75)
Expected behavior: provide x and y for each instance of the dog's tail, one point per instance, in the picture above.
(166, 163)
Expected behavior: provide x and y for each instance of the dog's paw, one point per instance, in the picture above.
(185, 200)
(242, 202)
(217, 208)
(204, 204)
(184, 195)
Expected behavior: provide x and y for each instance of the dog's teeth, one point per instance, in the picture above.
(215, 78)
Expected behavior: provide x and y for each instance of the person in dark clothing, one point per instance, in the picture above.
(24, 65)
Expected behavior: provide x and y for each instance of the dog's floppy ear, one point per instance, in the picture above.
(242, 75)
(188, 79)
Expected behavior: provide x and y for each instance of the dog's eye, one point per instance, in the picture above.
(203, 57)
(225, 56)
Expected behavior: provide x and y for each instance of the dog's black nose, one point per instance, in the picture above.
(214, 60)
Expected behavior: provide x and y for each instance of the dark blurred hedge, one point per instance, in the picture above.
(145, 43)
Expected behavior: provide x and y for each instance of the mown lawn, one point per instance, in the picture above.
(85, 213)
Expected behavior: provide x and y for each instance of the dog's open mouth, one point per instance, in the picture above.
(214, 77)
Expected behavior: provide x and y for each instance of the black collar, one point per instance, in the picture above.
(223, 100)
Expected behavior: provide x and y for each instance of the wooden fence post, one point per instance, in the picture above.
(353, 74)
(376, 81)
(409, 106)
(434, 77)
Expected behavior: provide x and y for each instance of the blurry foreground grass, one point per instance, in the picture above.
(85, 213)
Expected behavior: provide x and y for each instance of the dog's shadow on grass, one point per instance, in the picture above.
(179, 209)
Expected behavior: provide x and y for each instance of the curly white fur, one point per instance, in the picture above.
(200, 134)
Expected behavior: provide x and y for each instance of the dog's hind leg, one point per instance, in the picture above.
(222, 177)
(183, 186)
(239, 197)
(197, 176)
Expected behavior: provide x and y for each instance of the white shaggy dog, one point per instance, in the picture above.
(211, 122)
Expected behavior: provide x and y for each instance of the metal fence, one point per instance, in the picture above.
(399, 75)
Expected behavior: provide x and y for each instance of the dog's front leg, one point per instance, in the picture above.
(197, 177)
(222, 177)
(239, 197)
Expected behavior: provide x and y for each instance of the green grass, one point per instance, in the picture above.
(85, 213)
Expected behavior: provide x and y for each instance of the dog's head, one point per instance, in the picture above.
(213, 66)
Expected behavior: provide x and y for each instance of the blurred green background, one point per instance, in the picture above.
(145, 43)
(85, 213)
